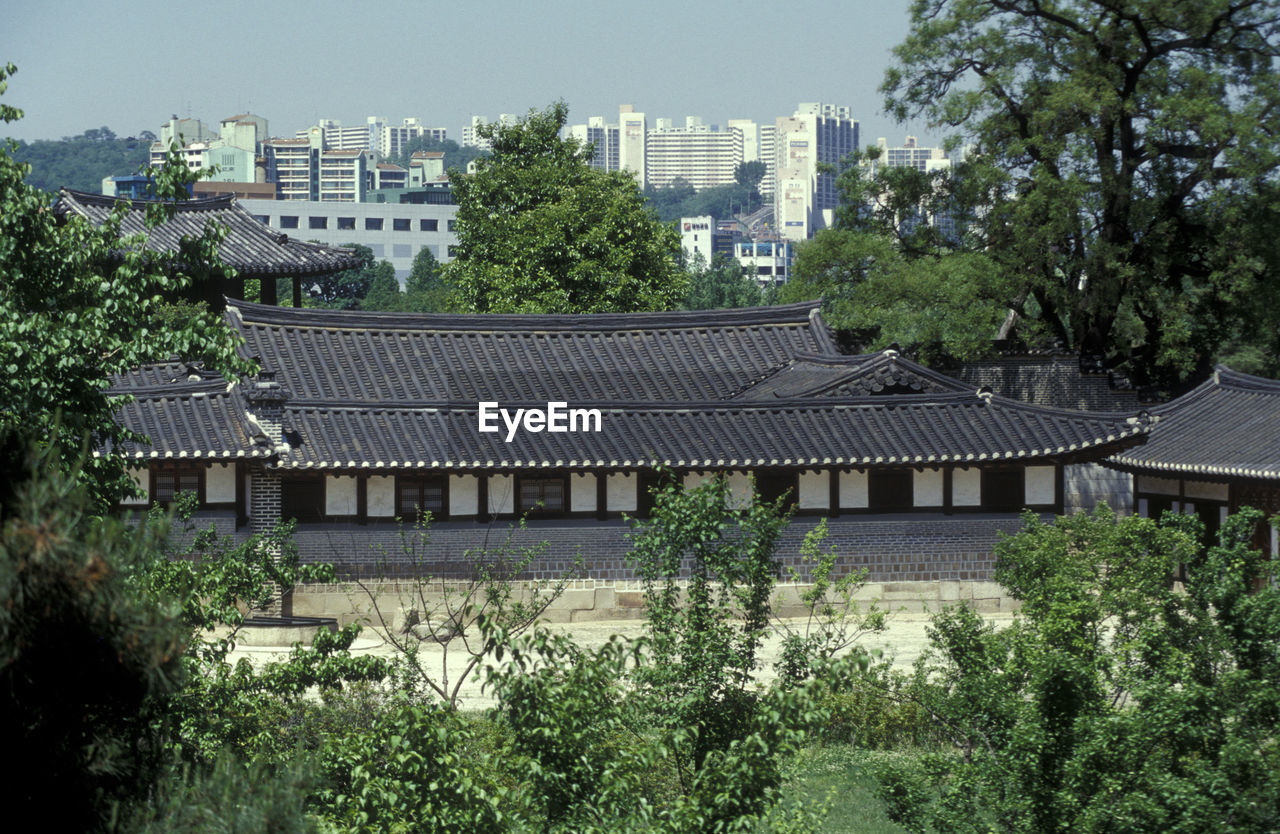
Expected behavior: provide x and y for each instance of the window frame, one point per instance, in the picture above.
(309, 479)
(157, 472)
(885, 488)
(534, 510)
(421, 482)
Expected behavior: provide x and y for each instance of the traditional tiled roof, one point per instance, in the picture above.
(815, 375)
(352, 357)
(192, 420)
(710, 389)
(910, 430)
(252, 248)
(1227, 427)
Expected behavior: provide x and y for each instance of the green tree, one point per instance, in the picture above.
(1127, 143)
(79, 304)
(938, 305)
(427, 290)
(384, 290)
(1115, 702)
(750, 174)
(346, 289)
(721, 284)
(705, 631)
(88, 668)
(540, 230)
(82, 162)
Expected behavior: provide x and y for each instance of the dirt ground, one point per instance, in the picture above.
(903, 641)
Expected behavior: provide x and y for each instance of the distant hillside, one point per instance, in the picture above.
(80, 162)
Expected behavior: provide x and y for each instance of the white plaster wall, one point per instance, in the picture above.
(815, 491)
(693, 480)
(853, 490)
(926, 488)
(220, 484)
(966, 488)
(380, 492)
(464, 495)
(582, 493)
(142, 480)
(739, 489)
(339, 495)
(1208, 491)
(1040, 485)
(502, 495)
(622, 492)
(1160, 486)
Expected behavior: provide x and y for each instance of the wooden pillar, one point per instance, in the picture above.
(267, 291)
(297, 291)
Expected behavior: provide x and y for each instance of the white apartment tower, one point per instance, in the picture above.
(471, 134)
(603, 137)
(695, 153)
(632, 128)
(911, 154)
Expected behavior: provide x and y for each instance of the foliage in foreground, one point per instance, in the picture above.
(79, 304)
(1116, 701)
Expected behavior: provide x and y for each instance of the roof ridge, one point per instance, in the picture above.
(798, 314)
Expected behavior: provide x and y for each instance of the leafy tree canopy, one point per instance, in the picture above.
(1125, 144)
(82, 162)
(1115, 701)
(721, 284)
(540, 230)
(680, 199)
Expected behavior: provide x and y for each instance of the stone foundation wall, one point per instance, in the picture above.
(907, 548)
(600, 600)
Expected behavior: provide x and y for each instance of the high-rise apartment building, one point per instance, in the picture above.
(603, 138)
(696, 153)
(335, 136)
(471, 134)
(759, 145)
(911, 154)
(392, 140)
(811, 146)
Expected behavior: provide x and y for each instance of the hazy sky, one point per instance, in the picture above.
(131, 65)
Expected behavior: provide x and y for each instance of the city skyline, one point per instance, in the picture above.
(295, 65)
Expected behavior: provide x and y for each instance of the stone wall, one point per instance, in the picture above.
(1052, 380)
(1086, 485)
(917, 547)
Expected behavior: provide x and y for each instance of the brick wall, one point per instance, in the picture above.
(913, 548)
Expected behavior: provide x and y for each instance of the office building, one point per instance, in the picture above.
(393, 231)
(812, 145)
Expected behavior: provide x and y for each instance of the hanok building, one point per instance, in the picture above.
(1212, 451)
(251, 248)
(358, 419)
